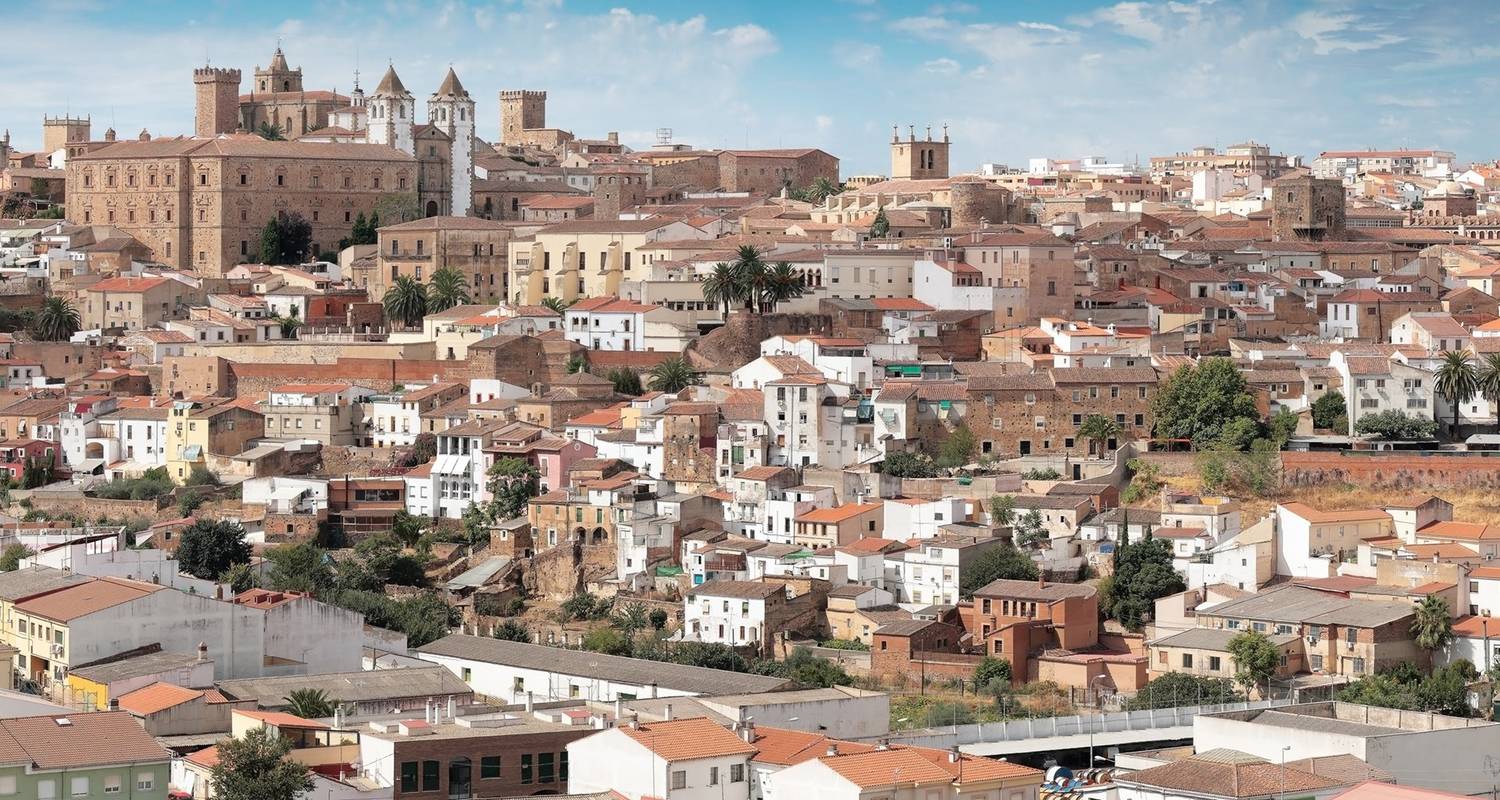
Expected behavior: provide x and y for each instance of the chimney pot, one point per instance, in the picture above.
(530, 702)
(669, 711)
(833, 749)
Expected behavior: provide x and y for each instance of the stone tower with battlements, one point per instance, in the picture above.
(218, 101)
(521, 110)
(390, 114)
(59, 132)
(919, 159)
(451, 110)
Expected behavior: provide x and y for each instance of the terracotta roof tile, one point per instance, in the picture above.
(685, 739)
(158, 696)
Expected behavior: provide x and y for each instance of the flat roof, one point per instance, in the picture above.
(585, 664)
(350, 687)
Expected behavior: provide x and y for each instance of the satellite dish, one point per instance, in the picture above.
(1059, 774)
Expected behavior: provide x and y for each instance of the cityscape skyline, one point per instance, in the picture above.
(1124, 80)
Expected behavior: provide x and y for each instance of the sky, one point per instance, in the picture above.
(1013, 79)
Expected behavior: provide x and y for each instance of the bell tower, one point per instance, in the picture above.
(919, 159)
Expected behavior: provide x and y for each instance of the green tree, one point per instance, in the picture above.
(270, 131)
(285, 240)
(1255, 658)
(1182, 689)
(448, 288)
(256, 767)
(512, 482)
(1397, 425)
(721, 286)
(302, 567)
(10, 557)
(1329, 412)
(1098, 429)
(209, 547)
(56, 321)
(397, 207)
(881, 226)
(408, 527)
(36, 472)
(626, 381)
(673, 375)
(1238, 434)
(512, 631)
(289, 326)
(991, 672)
(1489, 378)
(1283, 427)
(405, 302)
(658, 618)
(577, 363)
(901, 464)
(1001, 562)
(1145, 480)
(1197, 401)
(1432, 626)
(957, 448)
(241, 578)
(750, 276)
(1003, 509)
(822, 188)
(783, 283)
(809, 671)
(310, 703)
(1143, 573)
(1456, 381)
(1029, 531)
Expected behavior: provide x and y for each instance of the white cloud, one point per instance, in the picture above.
(943, 66)
(857, 55)
(1332, 33)
(823, 122)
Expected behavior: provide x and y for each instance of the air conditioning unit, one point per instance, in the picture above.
(57, 649)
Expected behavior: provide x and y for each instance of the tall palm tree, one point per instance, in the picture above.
(1456, 381)
(406, 301)
(1432, 626)
(556, 304)
(270, 131)
(57, 321)
(750, 276)
(447, 289)
(720, 286)
(1098, 429)
(1489, 378)
(673, 375)
(782, 283)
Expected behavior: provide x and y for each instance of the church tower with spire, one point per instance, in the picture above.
(391, 111)
(278, 77)
(451, 110)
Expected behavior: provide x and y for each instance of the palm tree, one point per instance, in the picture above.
(1456, 381)
(673, 375)
(1432, 627)
(406, 301)
(556, 304)
(782, 283)
(821, 189)
(1489, 378)
(721, 286)
(310, 703)
(1098, 428)
(749, 276)
(57, 321)
(448, 288)
(270, 131)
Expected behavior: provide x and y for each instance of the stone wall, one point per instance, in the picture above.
(312, 352)
(85, 507)
(737, 342)
(380, 374)
(1395, 470)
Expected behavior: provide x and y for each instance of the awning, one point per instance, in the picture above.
(192, 452)
(90, 465)
(452, 464)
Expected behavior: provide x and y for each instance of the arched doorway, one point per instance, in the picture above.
(432, 208)
(460, 779)
(580, 535)
(600, 537)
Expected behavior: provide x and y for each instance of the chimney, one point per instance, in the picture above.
(669, 712)
(1041, 582)
(427, 712)
(202, 652)
(885, 743)
(833, 749)
(651, 690)
(452, 707)
(953, 754)
(619, 710)
(635, 722)
(530, 702)
(338, 716)
(747, 732)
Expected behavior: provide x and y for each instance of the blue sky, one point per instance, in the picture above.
(1012, 79)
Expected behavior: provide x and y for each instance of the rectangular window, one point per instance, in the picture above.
(79, 787)
(430, 773)
(7, 785)
(46, 789)
(544, 768)
(736, 773)
(489, 767)
(526, 768)
(679, 779)
(408, 776)
(1187, 660)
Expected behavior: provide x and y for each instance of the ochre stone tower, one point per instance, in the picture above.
(521, 110)
(218, 101)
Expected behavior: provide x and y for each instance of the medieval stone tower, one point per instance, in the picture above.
(451, 110)
(278, 77)
(218, 101)
(1307, 209)
(521, 110)
(59, 132)
(919, 159)
(391, 110)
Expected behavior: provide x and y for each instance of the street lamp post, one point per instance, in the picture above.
(1283, 770)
